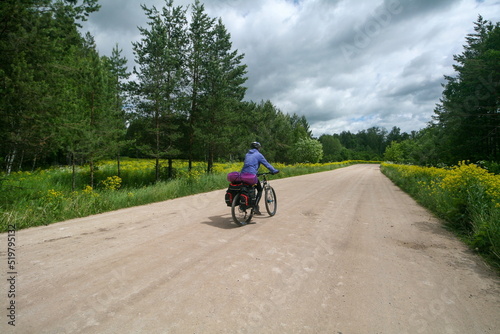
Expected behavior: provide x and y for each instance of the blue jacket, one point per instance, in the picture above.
(253, 160)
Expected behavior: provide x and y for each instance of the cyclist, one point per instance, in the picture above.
(253, 160)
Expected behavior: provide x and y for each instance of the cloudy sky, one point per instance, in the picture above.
(344, 64)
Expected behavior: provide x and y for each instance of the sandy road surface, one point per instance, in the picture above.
(347, 252)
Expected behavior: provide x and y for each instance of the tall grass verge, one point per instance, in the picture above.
(46, 196)
(466, 196)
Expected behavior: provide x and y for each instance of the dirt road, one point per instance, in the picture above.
(347, 252)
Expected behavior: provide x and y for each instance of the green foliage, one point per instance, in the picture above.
(160, 78)
(469, 111)
(394, 152)
(189, 85)
(367, 144)
(57, 96)
(332, 148)
(307, 150)
(223, 91)
(275, 130)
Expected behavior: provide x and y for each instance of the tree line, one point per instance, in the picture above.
(63, 103)
(58, 97)
(369, 144)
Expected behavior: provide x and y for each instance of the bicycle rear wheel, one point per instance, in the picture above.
(271, 201)
(241, 215)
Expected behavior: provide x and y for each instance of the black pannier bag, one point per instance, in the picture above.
(247, 196)
(232, 190)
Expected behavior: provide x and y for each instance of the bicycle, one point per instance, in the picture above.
(243, 209)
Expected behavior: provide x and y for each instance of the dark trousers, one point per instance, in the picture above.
(258, 186)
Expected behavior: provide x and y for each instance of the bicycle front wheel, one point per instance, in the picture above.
(271, 201)
(241, 215)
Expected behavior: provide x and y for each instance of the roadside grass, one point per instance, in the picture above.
(29, 199)
(465, 196)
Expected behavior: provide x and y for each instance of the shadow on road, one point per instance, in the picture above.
(225, 222)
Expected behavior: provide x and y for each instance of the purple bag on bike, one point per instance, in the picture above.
(234, 177)
(247, 178)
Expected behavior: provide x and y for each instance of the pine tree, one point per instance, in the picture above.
(95, 115)
(469, 112)
(224, 90)
(199, 41)
(161, 75)
(117, 69)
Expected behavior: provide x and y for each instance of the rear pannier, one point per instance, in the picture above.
(247, 196)
(231, 191)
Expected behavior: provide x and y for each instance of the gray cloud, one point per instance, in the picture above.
(345, 65)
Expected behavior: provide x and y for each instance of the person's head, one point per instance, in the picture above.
(255, 145)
